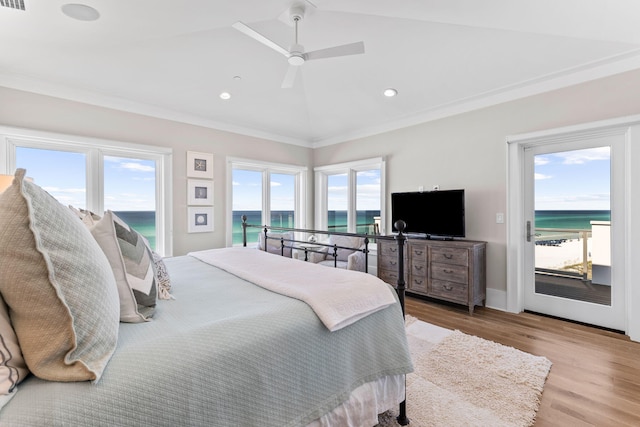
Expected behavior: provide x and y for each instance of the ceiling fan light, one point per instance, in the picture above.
(296, 59)
(225, 95)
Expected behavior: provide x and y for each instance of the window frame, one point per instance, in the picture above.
(267, 168)
(95, 150)
(351, 169)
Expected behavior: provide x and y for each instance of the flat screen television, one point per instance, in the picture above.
(430, 214)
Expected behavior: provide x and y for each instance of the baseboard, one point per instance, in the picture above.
(496, 299)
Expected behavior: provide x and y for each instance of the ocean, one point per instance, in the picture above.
(570, 219)
(144, 222)
(337, 221)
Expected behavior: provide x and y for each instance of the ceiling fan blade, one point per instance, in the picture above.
(259, 37)
(331, 52)
(290, 77)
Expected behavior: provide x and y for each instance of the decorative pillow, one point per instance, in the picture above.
(344, 241)
(273, 243)
(132, 266)
(12, 366)
(88, 218)
(162, 277)
(58, 285)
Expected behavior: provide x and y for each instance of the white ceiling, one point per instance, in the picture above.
(171, 59)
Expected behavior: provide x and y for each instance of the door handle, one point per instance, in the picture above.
(529, 235)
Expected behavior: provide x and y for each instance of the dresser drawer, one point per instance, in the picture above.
(389, 249)
(418, 284)
(388, 262)
(450, 256)
(389, 276)
(456, 292)
(418, 252)
(419, 269)
(449, 272)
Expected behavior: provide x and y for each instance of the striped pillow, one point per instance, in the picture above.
(132, 265)
(12, 367)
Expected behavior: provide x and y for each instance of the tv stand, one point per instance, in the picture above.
(450, 270)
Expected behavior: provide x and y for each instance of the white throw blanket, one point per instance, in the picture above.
(338, 297)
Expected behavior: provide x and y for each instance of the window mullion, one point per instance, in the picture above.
(95, 181)
(351, 202)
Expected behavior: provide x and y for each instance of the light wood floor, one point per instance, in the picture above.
(595, 377)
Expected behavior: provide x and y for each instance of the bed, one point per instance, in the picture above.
(223, 352)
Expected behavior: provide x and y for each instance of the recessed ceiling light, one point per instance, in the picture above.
(225, 95)
(390, 92)
(81, 12)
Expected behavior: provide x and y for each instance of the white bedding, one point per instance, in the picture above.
(338, 297)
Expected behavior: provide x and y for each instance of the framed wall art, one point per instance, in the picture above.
(200, 220)
(200, 192)
(199, 165)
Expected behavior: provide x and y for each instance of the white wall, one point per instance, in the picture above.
(469, 151)
(31, 111)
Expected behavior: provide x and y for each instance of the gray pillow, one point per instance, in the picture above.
(58, 285)
(132, 265)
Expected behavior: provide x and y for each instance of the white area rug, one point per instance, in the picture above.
(463, 380)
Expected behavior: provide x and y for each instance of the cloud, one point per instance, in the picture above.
(59, 190)
(136, 167)
(541, 176)
(579, 157)
(541, 161)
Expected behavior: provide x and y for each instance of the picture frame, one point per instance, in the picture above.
(200, 219)
(199, 165)
(199, 192)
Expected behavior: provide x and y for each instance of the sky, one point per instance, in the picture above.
(247, 191)
(129, 183)
(573, 180)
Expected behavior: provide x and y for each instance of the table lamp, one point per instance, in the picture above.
(5, 182)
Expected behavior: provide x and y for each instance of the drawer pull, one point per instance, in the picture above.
(418, 252)
(393, 249)
(393, 262)
(417, 281)
(418, 267)
(448, 287)
(447, 256)
(447, 271)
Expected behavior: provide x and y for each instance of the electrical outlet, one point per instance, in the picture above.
(421, 188)
(436, 187)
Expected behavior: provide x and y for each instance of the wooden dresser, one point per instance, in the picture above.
(451, 270)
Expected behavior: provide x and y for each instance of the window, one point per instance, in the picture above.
(350, 197)
(131, 180)
(266, 193)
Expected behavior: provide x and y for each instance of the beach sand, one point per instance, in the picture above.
(556, 257)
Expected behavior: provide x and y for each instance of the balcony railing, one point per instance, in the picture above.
(557, 237)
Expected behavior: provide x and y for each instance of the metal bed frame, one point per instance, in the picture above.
(293, 243)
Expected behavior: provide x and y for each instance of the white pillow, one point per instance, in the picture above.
(274, 245)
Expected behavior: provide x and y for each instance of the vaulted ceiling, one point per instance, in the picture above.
(173, 59)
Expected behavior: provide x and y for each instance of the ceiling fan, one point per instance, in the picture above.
(296, 56)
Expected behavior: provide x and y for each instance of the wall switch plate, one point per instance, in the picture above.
(499, 218)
